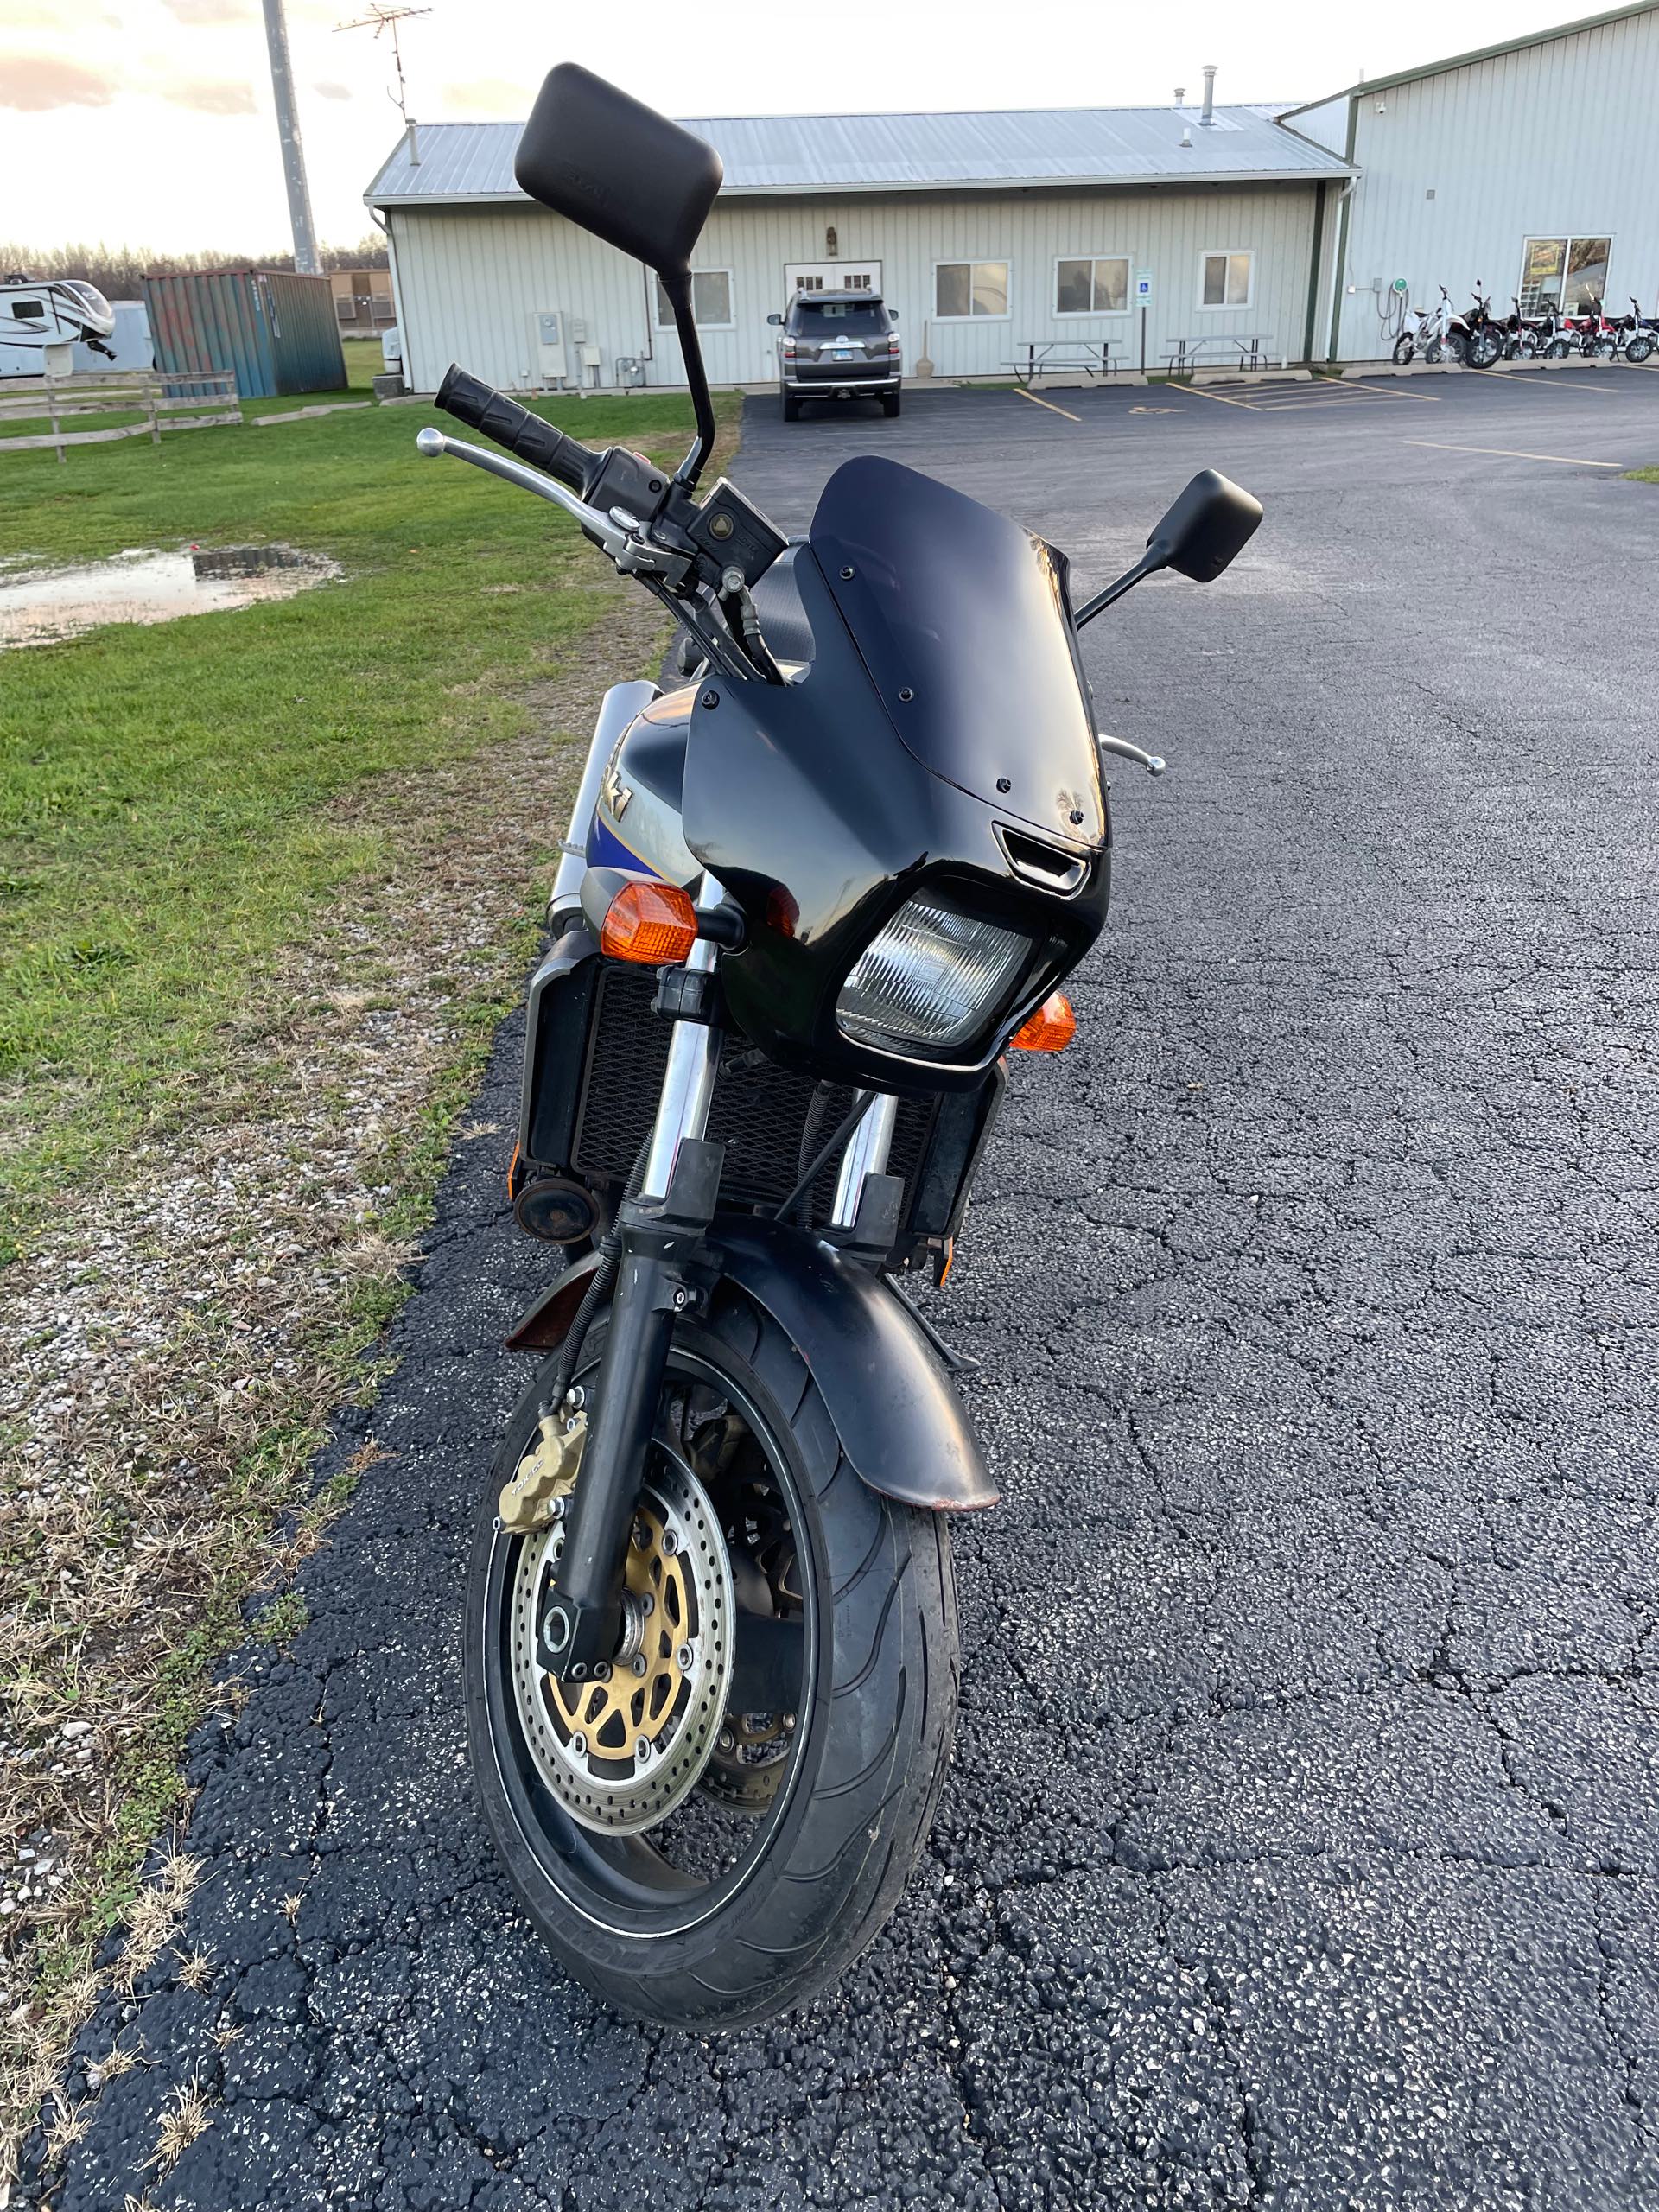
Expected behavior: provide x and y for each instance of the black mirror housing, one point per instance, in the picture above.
(774, 318)
(618, 168)
(1208, 526)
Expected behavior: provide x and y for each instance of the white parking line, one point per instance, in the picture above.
(1508, 453)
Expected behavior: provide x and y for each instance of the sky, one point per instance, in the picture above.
(149, 122)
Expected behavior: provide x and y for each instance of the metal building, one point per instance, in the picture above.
(1532, 166)
(989, 234)
(1302, 232)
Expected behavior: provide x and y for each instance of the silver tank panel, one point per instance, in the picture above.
(637, 821)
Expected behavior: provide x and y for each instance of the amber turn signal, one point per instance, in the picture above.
(650, 923)
(1050, 1029)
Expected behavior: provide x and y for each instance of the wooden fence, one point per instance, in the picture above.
(55, 399)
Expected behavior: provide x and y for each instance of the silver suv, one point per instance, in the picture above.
(837, 346)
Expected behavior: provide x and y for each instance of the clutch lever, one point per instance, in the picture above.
(1120, 746)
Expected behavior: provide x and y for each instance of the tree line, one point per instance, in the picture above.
(117, 270)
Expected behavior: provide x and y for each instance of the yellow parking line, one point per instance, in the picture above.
(1508, 453)
(1049, 404)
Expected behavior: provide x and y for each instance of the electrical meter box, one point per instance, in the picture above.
(547, 336)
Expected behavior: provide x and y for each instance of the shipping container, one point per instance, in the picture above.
(275, 331)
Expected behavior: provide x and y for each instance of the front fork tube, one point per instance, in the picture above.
(660, 1230)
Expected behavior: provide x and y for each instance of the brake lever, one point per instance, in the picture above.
(618, 534)
(1120, 746)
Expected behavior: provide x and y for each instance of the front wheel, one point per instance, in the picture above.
(714, 1829)
(1557, 350)
(1404, 347)
(1638, 349)
(1488, 347)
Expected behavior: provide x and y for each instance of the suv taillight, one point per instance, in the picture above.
(789, 349)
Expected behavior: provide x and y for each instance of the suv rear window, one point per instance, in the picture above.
(839, 318)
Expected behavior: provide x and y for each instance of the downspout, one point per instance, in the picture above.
(1342, 232)
(1319, 191)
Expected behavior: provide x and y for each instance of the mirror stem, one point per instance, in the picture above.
(677, 285)
(1147, 565)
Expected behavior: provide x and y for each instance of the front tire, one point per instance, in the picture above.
(817, 1848)
(1404, 347)
(1638, 350)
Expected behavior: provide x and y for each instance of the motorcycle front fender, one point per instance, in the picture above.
(894, 1407)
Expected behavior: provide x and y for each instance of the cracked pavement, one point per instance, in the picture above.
(1302, 1845)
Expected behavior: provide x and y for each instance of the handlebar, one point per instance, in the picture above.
(478, 404)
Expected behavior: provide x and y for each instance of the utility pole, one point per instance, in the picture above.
(288, 128)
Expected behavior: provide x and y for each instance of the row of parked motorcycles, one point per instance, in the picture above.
(1477, 339)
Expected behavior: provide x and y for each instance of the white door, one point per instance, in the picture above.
(830, 276)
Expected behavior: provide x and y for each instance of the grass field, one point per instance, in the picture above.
(160, 786)
(267, 877)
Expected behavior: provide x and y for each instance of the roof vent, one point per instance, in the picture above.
(1181, 95)
(1187, 137)
(1209, 115)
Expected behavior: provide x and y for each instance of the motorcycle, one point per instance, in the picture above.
(1429, 341)
(811, 898)
(1641, 334)
(1477, 337)
(1523, 335)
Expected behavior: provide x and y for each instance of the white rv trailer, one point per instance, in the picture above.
(37, 315)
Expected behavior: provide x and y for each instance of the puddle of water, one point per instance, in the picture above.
(42, 606)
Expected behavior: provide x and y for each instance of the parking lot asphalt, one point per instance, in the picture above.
(1302, 1846)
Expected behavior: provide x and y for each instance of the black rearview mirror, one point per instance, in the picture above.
(774, 318)
(618, 168)
(1208, 526)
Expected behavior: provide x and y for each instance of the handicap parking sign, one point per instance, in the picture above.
(1143, 288)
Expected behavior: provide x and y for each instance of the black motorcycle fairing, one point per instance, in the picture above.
(820, 822)
(965, 622)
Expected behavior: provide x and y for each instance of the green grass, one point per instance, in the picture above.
(1644, 476)
(163, 788)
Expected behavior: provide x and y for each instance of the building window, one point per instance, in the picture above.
(1568, 274)
(1226, 280)
(964, 289)
(1092, 287)
(345, 307)
(711, 301)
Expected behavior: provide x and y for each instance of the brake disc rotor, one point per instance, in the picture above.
(621, 1748)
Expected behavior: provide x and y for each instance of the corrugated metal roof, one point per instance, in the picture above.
(904, 153)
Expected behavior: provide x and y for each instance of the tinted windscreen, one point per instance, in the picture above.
(840, 319)
(961, 618)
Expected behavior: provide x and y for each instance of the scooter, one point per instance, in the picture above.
(811, 898)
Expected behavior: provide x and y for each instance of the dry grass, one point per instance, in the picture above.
(184, 2117)
(181, 1335)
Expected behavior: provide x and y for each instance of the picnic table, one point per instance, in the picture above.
(1184, 355)
(1092, 359)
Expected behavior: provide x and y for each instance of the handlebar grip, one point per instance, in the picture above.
(478, 404)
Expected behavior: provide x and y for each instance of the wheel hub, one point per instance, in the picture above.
(620, 1749)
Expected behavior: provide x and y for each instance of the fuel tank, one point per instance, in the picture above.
(637, 818)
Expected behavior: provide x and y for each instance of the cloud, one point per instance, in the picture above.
(487, 95)
(327, 92)
(224, 98)
(35, 82)
(211, 11)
